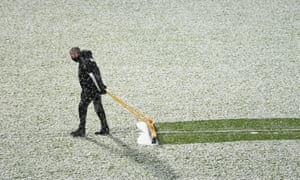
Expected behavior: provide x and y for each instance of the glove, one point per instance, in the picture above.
(103, 89)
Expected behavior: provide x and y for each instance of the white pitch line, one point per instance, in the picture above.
(253, 131)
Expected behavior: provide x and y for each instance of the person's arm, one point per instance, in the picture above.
(95, 81)
(94, 74)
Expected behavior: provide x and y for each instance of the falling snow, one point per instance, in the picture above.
(173, 60)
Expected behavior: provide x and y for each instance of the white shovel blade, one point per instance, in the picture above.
(144, 135)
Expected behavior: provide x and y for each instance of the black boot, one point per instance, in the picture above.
(80, 132)
(103, 131)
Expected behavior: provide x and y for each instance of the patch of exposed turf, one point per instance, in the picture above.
(228, 130)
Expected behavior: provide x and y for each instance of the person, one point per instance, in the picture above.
(92, 88)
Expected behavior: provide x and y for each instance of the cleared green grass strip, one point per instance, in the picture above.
(228, 130)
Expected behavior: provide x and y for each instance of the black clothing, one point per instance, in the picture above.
(89, 91)
(86, 99)
(85, 67)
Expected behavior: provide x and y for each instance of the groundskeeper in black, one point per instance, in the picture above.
(92, 88)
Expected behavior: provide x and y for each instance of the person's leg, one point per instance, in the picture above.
(83, 106)
(101, 114)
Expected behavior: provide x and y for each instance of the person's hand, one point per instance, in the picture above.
(103, 91)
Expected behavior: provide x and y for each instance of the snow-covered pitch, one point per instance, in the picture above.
(171, 59)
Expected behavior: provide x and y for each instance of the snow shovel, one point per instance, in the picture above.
(148, 134)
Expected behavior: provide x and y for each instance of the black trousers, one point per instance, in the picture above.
(86, 98)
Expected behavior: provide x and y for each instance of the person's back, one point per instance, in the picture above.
(87, 65)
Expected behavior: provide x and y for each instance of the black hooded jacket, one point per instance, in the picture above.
(87, 66)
